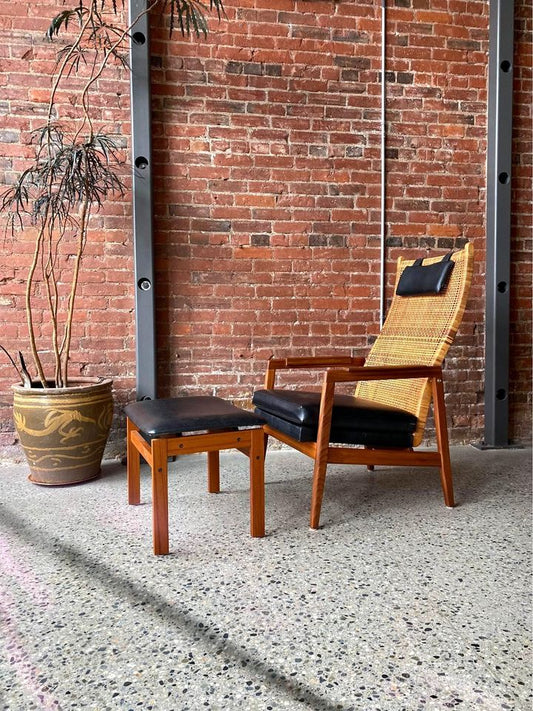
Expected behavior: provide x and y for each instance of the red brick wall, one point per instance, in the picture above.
(269, 227)
(267, 191)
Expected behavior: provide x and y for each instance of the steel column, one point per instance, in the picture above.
(145, 336)
(500, 124)
(383, 225)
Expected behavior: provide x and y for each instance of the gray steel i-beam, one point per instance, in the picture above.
(498, 266)
(145, 334)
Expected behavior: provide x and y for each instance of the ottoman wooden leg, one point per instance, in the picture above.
(133, 467)
(213, 472)
(160, 495)
(257, 483)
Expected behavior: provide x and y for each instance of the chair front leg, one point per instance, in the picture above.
(322, 449)
(439, 411)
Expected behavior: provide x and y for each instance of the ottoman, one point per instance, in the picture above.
(159, 429)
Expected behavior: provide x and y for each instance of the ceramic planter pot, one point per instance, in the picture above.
(63, 431)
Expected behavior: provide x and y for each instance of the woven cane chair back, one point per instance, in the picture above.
(418, 331)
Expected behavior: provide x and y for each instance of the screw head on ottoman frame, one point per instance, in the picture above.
(159, 429)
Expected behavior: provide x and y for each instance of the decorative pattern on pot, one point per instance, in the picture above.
(63, 431)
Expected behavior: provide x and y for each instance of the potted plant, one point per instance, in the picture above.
(63, 422)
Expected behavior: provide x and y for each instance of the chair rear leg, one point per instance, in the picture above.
(439, 412)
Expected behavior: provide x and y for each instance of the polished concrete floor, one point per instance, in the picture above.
(396, 603)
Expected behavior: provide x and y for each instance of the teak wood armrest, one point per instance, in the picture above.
(308, 363)
(383, 372)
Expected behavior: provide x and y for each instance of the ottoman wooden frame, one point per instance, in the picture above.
(156, 450)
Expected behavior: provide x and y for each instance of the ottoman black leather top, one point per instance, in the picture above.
(173, 416)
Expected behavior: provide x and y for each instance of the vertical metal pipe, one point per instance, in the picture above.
(499, 152)
(383, 229)
(145, 336)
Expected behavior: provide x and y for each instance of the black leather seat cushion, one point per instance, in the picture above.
(354, 420)
(173, 416)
